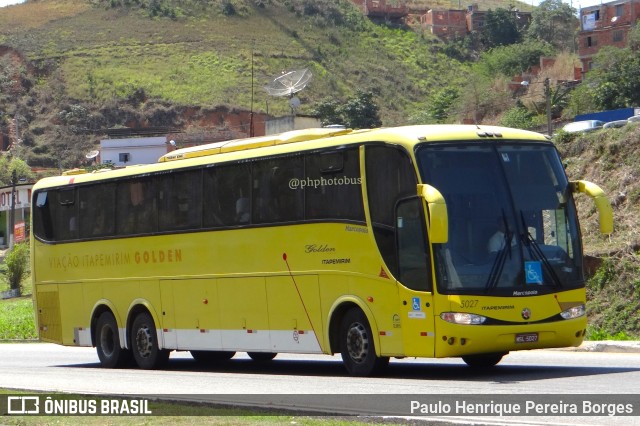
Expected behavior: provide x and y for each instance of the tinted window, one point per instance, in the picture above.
(275, 197)
(179, 196)
(227, 195)
(97, 210)
(333, 186)
(66, 215)
(390, 177)
(136, 209)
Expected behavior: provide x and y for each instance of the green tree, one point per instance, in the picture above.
(439, 109)
(9, 165)
(518, 117)
(554, 22)
(329, 112)
(581, 101)
(558, 99)
(361, 112)
(616, 78)
(500, 28)
(513, 59)
(358, 112)
(17, 262)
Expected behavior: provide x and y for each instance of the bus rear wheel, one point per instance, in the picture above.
(144, 343)
(210, 357)
(110, 353)
(483, 360)
(262, 356)
(357, 346)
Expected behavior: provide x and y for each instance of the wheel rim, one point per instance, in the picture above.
(107, 343)
(144, 341)
(357, 342)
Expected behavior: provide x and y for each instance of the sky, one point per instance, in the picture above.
(577, 4)
(4, 3)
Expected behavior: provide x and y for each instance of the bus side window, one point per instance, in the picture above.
(325, 197)
(179, 200)
(136, 211)
(274, 199)
(97, 218)
(67, 215)
(224, 188)
(44, 215)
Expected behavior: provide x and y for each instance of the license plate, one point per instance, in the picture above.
(527, 338)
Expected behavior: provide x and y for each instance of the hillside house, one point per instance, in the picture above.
(606, 24)
(387, 9)
(445, 23)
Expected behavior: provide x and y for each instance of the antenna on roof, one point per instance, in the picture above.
(287, 84)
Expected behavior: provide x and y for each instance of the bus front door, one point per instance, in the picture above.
(414, 276)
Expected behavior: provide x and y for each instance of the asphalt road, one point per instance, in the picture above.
(558, 373)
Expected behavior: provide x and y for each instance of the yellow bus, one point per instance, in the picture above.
(418, 241)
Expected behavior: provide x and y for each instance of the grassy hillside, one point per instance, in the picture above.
(128, 63)
(610, 159)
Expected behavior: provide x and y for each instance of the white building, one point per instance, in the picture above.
(22, 209)
(131, 151)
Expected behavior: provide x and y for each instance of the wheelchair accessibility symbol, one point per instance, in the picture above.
(533, 272)
(415, 303)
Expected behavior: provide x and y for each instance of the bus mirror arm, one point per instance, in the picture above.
(438, 218)
(605, 211)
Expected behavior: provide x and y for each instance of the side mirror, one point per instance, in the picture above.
(605, 212)
(438, 217)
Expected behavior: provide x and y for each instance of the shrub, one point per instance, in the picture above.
(17, 261)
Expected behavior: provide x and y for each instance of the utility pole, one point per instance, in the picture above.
(547, 97)
(12, 212)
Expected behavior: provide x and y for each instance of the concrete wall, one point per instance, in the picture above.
(284, 124)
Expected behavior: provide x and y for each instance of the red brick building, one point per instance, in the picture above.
(383, 9)
(607, 24)
(445, 23)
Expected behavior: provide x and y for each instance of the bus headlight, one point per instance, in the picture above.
(462, 318)
(571, 313)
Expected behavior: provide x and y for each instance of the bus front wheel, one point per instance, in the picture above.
(110, 353)
(357, 345)
(482, 360)
(144, 343)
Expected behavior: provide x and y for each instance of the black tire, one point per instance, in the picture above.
(110, 352)
(144, 344)
(262, 356)
(211, 357)
(482, 360)
(357, 345)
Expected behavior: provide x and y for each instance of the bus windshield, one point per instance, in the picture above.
(513, 229)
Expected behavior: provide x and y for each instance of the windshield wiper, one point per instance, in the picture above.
(498, 264)
(536, 252)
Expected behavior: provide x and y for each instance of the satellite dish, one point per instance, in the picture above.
(92, 154)
(289, 83)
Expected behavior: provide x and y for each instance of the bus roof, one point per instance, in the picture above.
(297, 140)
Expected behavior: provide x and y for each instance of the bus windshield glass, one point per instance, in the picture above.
(513, 229)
